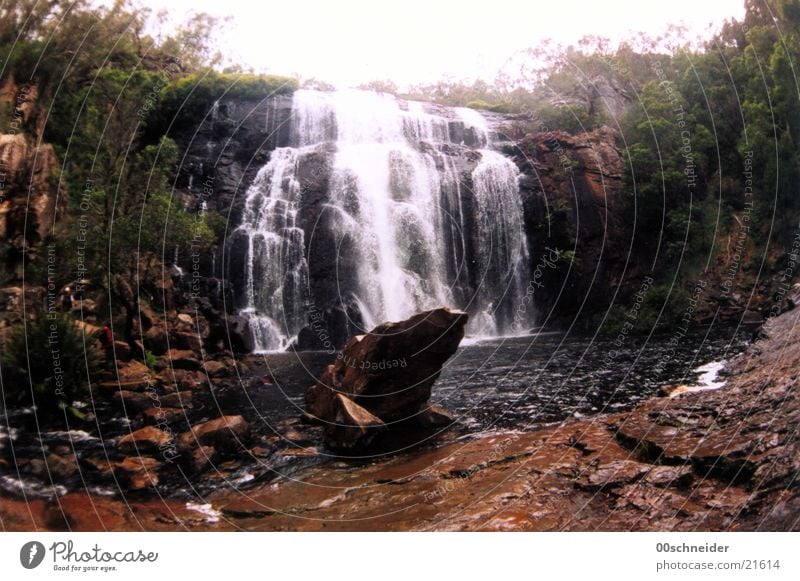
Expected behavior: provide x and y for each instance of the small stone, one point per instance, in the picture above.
(182, 359)
(61, 467)
(161, 415)
(186, 319)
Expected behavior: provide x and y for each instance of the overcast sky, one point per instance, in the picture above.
(348, 42)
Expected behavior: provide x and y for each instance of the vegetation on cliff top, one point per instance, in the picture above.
(110, 94)
(710, 134)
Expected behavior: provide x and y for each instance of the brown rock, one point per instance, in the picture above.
(133, 401)
(138, 472)
(226, 433)
(435, 416)
(159, 415)
(185, 319)
(100, 465)
(353, 425)
(146, 440)
(612, 474)
(156, 340)
(134, 371)
(216, 368)
(181, 379)
(61, 467)
(669, 476)
(388, 373)
(181, 399)
(183, 359)
(57, 467)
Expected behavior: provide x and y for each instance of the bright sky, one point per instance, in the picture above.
(348, 42)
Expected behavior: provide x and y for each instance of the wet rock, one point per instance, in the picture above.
(138, 472)
(388, 373)
(203, 457)
(234, 332)
(159, 415)
(189, 340)
(435, 416)
(183, 359)
(147, 440)
(216, 368)
(227, 433)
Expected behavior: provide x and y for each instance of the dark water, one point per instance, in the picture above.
(521, 382)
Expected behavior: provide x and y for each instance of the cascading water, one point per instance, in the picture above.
(430, 214)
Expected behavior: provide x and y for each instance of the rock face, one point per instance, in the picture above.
(570, 188)
(31, 201)
(383, 380)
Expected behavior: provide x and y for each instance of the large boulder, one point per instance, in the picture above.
(226, 433)
(383, 379)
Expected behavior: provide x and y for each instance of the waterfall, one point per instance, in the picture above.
(426, 211)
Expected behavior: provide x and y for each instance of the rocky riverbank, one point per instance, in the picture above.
(724, 459)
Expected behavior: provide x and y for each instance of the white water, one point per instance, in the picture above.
(397, 191)
(708, 379)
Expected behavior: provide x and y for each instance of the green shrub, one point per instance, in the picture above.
(653, 308)
(151, 360)
(187, 100)
(47, 362)
(502, 107)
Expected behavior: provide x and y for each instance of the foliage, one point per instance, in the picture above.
(48, 362)
(189, 99)
(654, 309)
(151, 360)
